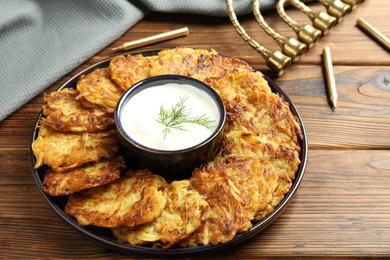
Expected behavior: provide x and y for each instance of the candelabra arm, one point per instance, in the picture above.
(290, 46)
(303, 8)
(305, 33)
(268, 29)
(287, 19)
(277, 61)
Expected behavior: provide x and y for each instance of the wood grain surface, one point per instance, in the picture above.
(342, 208)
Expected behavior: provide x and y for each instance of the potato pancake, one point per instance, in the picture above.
(66, 151)
(181, 61)
(85, 177)
(182, 215)
(215, 66)
(259, 122)
(226, 215)
(65, 113)
(256, 182)
(132, 200)
(98, 89)
(126, 71)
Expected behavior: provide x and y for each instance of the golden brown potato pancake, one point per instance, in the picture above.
(259, 122)
(97, 88)
(226, 215)
(65, 113)
(181, 61)
(66, 151)
(258, 184)
(215, 66)
(130, 201)
(182, 215)
(85, 177)
(125, 71)
(240, 85)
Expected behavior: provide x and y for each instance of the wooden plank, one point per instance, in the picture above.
(335, 213)
(362, 118)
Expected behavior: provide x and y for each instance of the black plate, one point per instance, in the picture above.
(103, 235)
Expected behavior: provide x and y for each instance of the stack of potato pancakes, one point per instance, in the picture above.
(78, 148)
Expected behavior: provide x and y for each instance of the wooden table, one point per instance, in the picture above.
(342, 207)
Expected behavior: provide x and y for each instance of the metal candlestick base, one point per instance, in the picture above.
(320, 20)
(336, 8)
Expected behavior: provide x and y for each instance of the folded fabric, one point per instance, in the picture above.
(42, 40)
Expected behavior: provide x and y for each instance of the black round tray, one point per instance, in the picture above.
(104, 236)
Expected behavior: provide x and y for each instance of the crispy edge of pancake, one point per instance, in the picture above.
(132, 200)
(65, 113)
(98, 88)
(182, 215)
(85, 177)
(125, 71)
(66, 151)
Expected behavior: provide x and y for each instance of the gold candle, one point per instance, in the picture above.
(152, 39)
(374, 33)
(329, 75)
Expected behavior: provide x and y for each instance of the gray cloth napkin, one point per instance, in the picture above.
(42, 40)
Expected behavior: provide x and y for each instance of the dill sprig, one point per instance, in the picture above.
(180, 115)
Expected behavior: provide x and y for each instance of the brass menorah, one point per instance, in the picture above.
(307, 35)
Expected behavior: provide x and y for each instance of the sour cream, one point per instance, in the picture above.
(140, 114)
